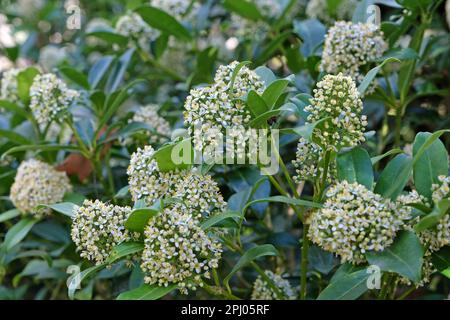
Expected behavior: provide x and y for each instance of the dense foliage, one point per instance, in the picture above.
(96, 97)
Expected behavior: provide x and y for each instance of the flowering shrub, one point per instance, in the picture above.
(274, 149)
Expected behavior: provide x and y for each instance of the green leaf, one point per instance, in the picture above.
(432, 163)
(161, 20)
(124, 249)
(138, 219)
(110, 37)
(118, 72)
(98, 70)
(266, 75)
(372, 74)
(66, 208)
(376, 159)
(256, 104)
(312, 32)
(274, 91)
(14, 137)
(404, 256)
(40, 148)
(441, 258)
(283, 199)
(25, 79)
(261, 120)
(439, 210)
(394, 177)
(306, 131)
(244, 8)
(123, 192)
(75, 280)
(146, 292)
(18, 232)
(355, 166)
(14, 108)
(178, 155)
(348, 286)
(116, 101)
(8, 215)
(218, 218)
(76, 76)
(402, 54)
(249, 256)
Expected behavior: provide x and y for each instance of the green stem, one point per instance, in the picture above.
(219, 292)
(406, 293)
(305, 240)
(304, 262)
(398, 128)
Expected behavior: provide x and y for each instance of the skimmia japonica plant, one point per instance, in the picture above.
(224, 149)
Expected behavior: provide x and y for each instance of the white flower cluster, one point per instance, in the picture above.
(179, 9)
(337, 98)
(9, 89)
(161, 128)
(199, 193)
(349, 47)
(178, 251)
(319, 9)
(98, 227)
(209, 111)
(38, 183)
(308, 159)
(262, 291)
(438, 236)
(50, 98)
(354, 220)
(248, 29)
(133, 26)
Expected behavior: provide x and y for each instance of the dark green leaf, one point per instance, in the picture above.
(18, 232)
(394, 177)
(146, 292)
(404, 256)
(161, 20)
(138, 219)
(244, 8)
(432, 163)
(355, 166)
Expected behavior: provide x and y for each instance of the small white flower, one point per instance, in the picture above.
(38, 183)
(177, 250)
(98, 227)
(262, 291)
(355, 220)
(50, 98)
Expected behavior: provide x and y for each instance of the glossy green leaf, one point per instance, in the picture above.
(14, 137)
(348, 286)
(439, 210)
(178, 155)
(261, 121)
(146, 292)
(18, 232)
(441, 259)
(8, 215)
(256, 104)
(394, 177)
(391, 152)
(432, 163)
(25, 79)
(283, 199)
(355, 166)
(161, 20)
(110, 37)
(216, 219)
(404, 256)
(274, 91)
(249, 256)
(244, 8)
(76, 76)
(372, 74)
(123, 250)
(138, 219)
(66, 208)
